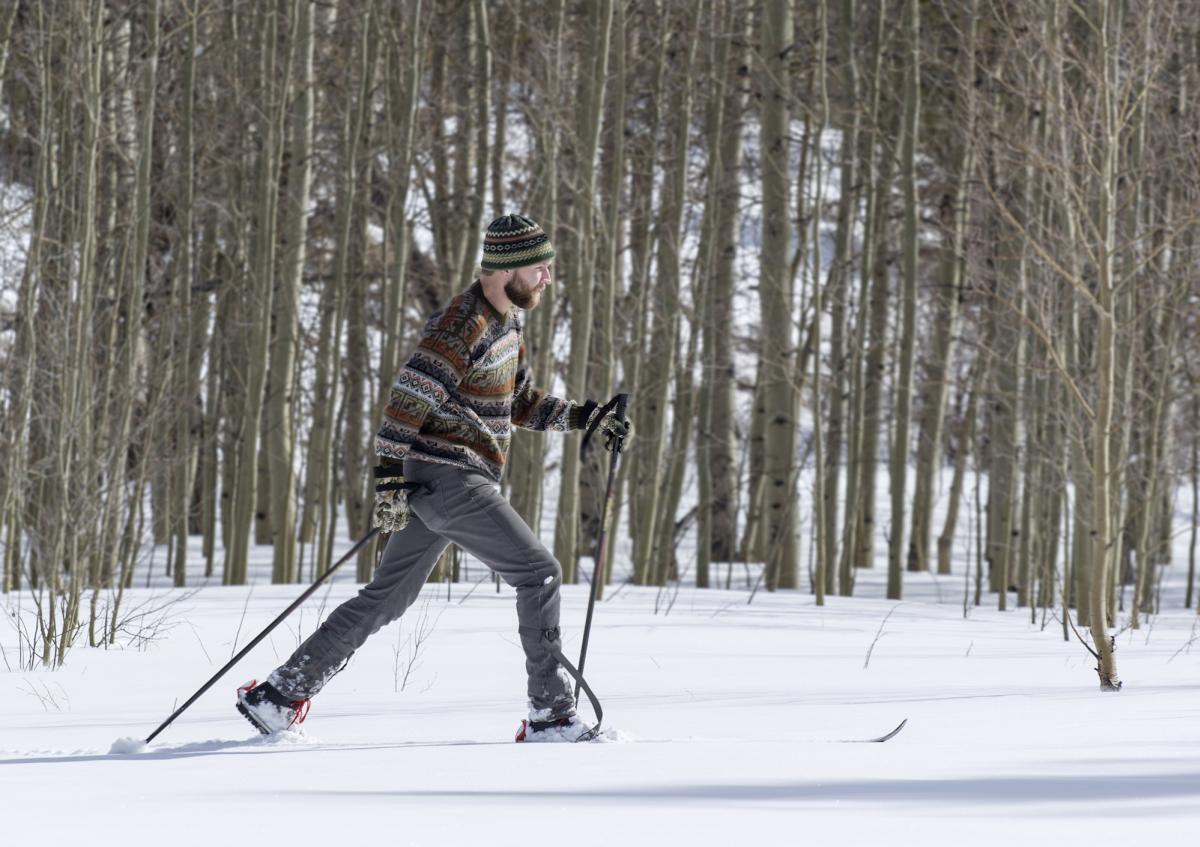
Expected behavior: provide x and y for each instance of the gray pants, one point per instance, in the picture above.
(457, 506)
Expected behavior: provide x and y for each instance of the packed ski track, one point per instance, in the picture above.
(724, 721)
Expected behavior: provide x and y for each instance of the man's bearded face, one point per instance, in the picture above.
(527, 284)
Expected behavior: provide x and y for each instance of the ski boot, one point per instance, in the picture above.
(565, 729)
(267, 710)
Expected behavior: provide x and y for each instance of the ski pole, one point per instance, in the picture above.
(307, 593)
(620, 402)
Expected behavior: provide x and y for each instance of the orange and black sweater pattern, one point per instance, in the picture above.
(469, 381)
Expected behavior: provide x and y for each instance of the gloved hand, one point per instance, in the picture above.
(615, 429)
(391, 510)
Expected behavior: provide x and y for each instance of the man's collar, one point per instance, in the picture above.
(492, 311)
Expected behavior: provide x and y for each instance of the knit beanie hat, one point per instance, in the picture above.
(514, 241)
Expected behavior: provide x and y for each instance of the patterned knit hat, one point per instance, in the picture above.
(514, 241)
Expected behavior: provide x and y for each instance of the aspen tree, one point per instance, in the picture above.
(357, 485)
(499, 40)
(656, 422)
(778, 411)
(1189, 83)
(320, 481)
(528, 467)
(878, 305)
(1101, 445)
(232, 287)
(1077, 360)
(648, 52)
(1033, 403)
(317, 467)
(908, 299)
(404, 67)
(208, 471)
(720, 437)
(939, 362)
(609, 273)
(1055, 456)
(441, 210)
(1046, 483)
(821, 527)
(1194, 470)
(687, 393)
(838, 284)
(962, 450)
(258, 303)
(719, 123)
(1148, 278)
(20, 376)
(402, 72)
(862, 441)
(448, 210)
(681, 386)
(130, 361)
(480, 47)
(684, 412)
(78, 402)
(184, 349)
(88, 446)
(8, 17)
(752, 545)
(645, 154)
(281, 389)
(1004, 407)
(609, 342)
(118, 182)
(580, 284)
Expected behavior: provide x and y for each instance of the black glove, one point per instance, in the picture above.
(391, 510)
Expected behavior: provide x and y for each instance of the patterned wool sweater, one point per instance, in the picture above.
(456, 399)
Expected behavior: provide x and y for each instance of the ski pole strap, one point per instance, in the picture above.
(399, 486)
(394, 473)
(550, 636)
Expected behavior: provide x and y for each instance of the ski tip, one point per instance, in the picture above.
(891, 734)
(880, 739)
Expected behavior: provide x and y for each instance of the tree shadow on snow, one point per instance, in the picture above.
(999, 790)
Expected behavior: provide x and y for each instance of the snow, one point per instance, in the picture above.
(724, 715)
(125, 746)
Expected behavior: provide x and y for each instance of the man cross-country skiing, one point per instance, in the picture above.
(447, 429)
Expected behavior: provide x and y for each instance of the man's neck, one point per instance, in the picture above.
(495, 294)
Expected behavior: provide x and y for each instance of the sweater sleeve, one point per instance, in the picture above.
(533, 408)
(427, 380)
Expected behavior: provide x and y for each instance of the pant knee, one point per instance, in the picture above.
(542, 573)
(551, 572)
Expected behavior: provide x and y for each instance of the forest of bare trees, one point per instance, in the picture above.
(841, 254)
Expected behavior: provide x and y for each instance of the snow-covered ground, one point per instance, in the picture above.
(731, 718)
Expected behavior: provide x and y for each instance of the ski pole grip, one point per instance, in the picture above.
(622, 405)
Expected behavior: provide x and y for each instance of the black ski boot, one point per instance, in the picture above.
(267, 710)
